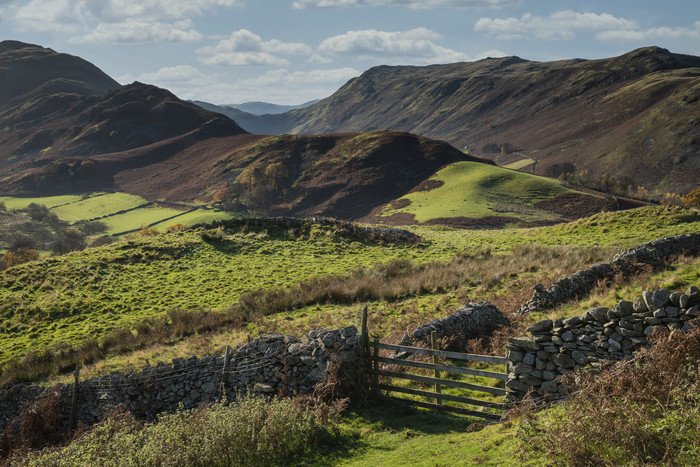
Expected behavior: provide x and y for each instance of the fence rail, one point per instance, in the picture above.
(443, 353)
(496, 408)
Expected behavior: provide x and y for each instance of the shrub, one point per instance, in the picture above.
(692, 199)
(212, 236)
(92, 227)
(37, 211)
(38, 426)
(176, 228)
(19, 256)
(254, 432)
(148, 231)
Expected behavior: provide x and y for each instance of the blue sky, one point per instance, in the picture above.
(291, 51)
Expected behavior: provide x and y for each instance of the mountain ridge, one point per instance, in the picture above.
(618, 115)
(68, 135)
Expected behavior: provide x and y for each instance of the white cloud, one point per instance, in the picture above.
(417, 4)
(112, 11)
(561, 25)
(317, 58)
(415, 46)
(106, 17)
(243, 47)
(179, 76)
(663, 32)
(299, 78)
(140, 32)
(280, 86)
(47, 15)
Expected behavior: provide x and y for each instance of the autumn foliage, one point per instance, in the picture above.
(19, 256)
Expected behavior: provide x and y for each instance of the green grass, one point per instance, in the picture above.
(200, 216)
(391, 435)
(87, 294)
(517, 165)
(13, 202)
(110, 208)
(476, 190)
(98, 206)
(134, 220)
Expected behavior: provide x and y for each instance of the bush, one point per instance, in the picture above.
(37, 211)
(212, 236)
(148, 231)
(19, 256)
(39, 426)
(254, 432)
(692, 199)
(176, 228)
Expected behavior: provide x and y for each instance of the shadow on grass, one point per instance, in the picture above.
(383, 415)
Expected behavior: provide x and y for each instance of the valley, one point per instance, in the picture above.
(144, 237)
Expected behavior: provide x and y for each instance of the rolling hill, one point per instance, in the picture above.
(634, 116)
(143, 140)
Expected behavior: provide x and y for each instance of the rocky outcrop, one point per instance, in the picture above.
(653, 253)
(271, 365)
(556, 347)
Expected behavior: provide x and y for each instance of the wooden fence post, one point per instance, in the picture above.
(364, 332)
(223, 373)
(364, 346)
(74, 404)
(375, 367)
(433, 345)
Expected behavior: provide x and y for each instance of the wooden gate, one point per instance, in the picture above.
(464, 405)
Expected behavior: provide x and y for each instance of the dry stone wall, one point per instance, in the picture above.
(359, 232)
(653, 253)
(556, 347)
(471, 321)
(270, 365)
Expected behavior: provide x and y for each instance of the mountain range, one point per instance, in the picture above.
(635, 117)
(67, 127)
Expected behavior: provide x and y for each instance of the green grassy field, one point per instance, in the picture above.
(519, 164)
(97, 206)
(86, 294)
(121, 212)
(471, 189)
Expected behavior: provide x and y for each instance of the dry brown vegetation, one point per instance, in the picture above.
(644, 411)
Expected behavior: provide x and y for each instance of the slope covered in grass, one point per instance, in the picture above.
(478, 191)
(87, 294)
(121, 212)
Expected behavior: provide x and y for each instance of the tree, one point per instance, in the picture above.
(37, 211)
(692, 199)
(70, 239)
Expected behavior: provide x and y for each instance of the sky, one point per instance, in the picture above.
(293, 51)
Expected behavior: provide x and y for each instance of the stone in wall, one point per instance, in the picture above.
(554, 348)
